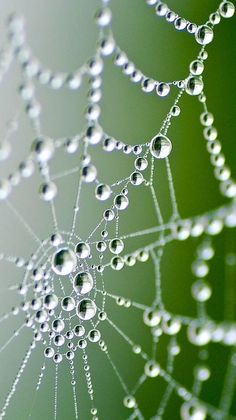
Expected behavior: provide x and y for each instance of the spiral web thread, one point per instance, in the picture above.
(39, 279)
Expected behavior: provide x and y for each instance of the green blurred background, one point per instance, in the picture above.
(63, 35)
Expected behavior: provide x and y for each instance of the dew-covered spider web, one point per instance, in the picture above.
(115, 301)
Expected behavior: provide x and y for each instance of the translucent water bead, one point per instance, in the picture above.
(50, 301)
(103, 192)
(103, 17)
(86, 309)
(64, 261)
(152, 369)
(5, 189)
(227, 9)
(201, 291)
(68, 303)
(116, 246)
(193, 411)
(202, 373)
(162, 89)
(48, 191)
(194, 85)
(82, 250)
(129, 401)
(196, 67)
(5, 149)
(160, 146)
(204, 35)
(83, 283)
(43, 149)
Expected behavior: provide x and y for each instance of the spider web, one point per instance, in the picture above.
(132, 347)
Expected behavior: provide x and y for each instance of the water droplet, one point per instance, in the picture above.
(171, 326)
(129, 401)
(89, 173)
(5, 189)
(107, 45)
(94, 335)
(41, 316)
(48, 191)
(64, 262)
(5, 149)
(51, 301)
(49, 352)
(201, 291)
(109, 144)
(210, 133)
(70, 356)
(83, 283)
(79, 330)
(56, 239)
(136, 178)
(116, 246)
(143, 256)
(205, 251)
(162, 89)
(102, 316)
(101, 246)
(103, 17)
(152, 369)
(94, 134)
(117, 263)
(200, 268)
(82, 250)
(193, 411)
(74, 81)
(58, 358)
(160, 146)
(68, 303)
(180, 23)
(82, 344)
(196, 67)
(227, 9)
(175, 111)
(202, 373)
(215, 18)
(151, 317)
(59, 340)
(109, 215)
(58, 325)
(43, 149)
(148, 85)
(194, 85)
(204, 35)
(199, 335)
(102, 192)
(86, 309)
(95, 66)
(121, 202)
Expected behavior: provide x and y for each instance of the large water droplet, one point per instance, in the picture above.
(194, 85)
(160, 146)
(43, 149)
(50, 301)
(64, 262)
(83, 283)
(68, 303)
(227, 9)
(204, 35)
(82, 250)
(86, 309)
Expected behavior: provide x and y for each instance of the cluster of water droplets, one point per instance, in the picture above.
(63, 296)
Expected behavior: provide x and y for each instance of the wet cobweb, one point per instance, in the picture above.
(95, 319)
